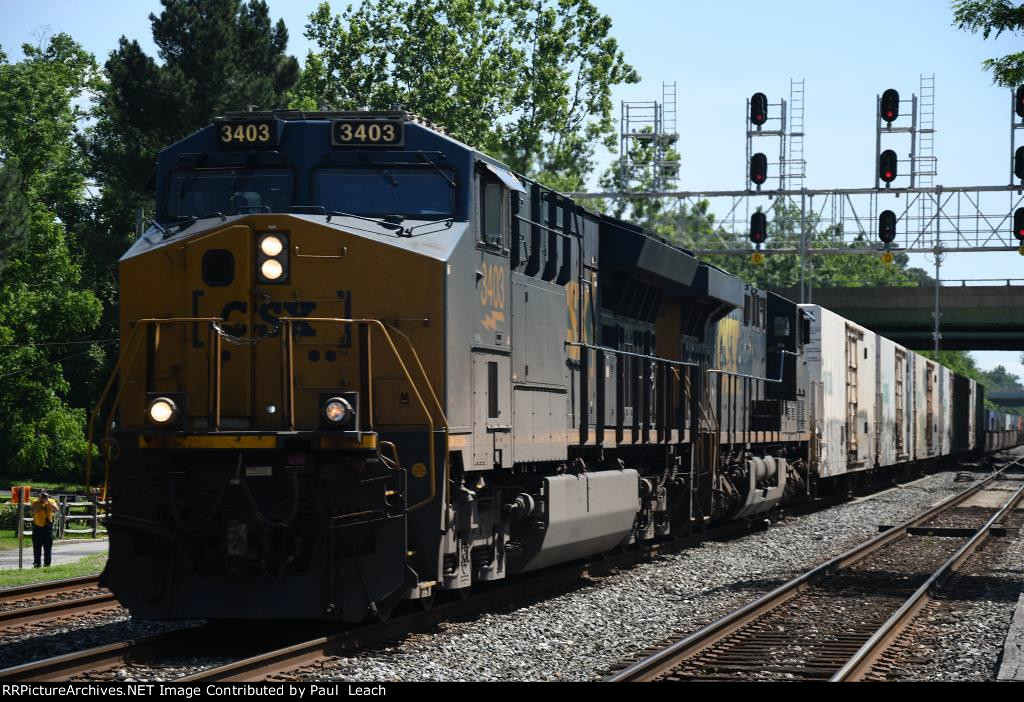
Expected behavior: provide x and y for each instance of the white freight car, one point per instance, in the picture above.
(841, 361)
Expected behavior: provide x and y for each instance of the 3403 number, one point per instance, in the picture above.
(246, 133)
(366, 132)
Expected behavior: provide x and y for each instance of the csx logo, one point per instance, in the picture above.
(236, 316)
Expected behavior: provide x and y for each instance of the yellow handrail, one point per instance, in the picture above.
(125, 364)
(437, 404)
(128, 355)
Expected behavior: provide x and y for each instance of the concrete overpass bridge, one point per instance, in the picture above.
(974, 317)
(1006, 399)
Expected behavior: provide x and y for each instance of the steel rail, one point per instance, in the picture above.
(61, 608)
(51, 587)
(100, 658)
(670, 656)
(861, 662)
(289, 658)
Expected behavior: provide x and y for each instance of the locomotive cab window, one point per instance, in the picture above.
(204, 193)
(491, 207)
(417, 191)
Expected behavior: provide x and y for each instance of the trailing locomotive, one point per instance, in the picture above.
(362, 362)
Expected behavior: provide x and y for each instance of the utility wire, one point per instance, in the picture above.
(30, 344)
(22, 371)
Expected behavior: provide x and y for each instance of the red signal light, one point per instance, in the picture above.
(758, 168)
(890, 105)
(758, 109)
(887, 165)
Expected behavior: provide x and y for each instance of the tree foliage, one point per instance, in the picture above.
(1002, 380)
(215, 56)
(991, 18)
(39, 115)
(528, 81)
(44, 315)
(695, 228)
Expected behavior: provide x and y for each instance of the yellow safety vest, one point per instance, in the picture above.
(42, 512)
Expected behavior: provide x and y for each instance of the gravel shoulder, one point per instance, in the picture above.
(580, 634)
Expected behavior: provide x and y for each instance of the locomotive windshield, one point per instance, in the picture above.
(200, 193)
(407, 191)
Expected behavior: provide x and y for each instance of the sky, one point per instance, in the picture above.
(719, 53)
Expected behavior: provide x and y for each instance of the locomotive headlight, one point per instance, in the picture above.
(271, 269)
(162, 410)
(272, 258)
(338, 411)
(271, 246)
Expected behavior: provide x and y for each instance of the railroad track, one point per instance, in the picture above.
(836, 621)
(282, 662)
(279, 661)
(51, 600)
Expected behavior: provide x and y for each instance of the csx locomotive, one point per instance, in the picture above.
(362, 362)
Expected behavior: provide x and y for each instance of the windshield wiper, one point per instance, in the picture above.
(429, 161)
(379, 221)
(448, 222)
(385, 173)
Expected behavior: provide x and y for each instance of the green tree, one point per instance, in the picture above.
(652, 163)
(217, 56)
(528, 81)
(695, 228)
(1001, 379)
(39, 115)
(992, 18)
(214, 56)
(44, 316)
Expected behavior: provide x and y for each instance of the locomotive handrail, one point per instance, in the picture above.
(634, 354)
(126, 362)
(440, 411)
(781, 352)
(374, 323)
(128, 354)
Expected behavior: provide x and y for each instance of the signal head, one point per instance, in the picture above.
(1018, 224)
(758, 168)
(758, 109)
(758, 228)
(887, 226)
(889, 107)
(887, 166)
(1018, 101)
(1018, 162)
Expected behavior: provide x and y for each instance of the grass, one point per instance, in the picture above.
(90, 565)
(9, 539)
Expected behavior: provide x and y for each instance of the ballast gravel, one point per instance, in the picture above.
(582, 634)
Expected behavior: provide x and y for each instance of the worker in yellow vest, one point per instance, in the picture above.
(43, 511)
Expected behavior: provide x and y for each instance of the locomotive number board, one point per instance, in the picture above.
(366, 132)
(247, 133)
